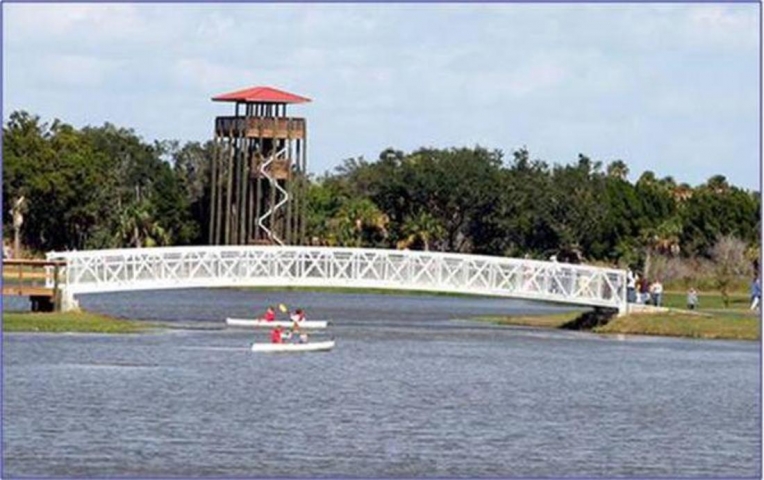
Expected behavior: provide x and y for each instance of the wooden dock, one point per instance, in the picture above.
(37, 279)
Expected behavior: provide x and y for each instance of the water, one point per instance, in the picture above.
(411, 390)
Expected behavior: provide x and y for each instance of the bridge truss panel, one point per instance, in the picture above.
(234, 266)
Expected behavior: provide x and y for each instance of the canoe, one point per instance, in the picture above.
(243, 322)
(293, 347)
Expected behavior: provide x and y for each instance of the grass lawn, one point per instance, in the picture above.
(709, 301)
(712, 320)
(685, 324)
(69, 322)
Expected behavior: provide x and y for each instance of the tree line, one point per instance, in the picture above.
(105, 187)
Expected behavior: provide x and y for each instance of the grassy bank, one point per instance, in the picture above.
(676, 323)
(70, 322)
(725, 324)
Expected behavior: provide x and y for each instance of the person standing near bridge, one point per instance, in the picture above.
(656, 293)
(631, 287)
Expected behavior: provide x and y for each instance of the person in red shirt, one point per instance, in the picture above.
(270, 315)
(276, 335)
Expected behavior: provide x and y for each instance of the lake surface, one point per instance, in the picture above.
(412, 389)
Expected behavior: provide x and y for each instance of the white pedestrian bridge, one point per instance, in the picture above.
(93, 271)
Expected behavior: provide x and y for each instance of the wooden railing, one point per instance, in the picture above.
(38, 279)
(257, 127)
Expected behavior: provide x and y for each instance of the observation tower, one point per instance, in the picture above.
(258, 173)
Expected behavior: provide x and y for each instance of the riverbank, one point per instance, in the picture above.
(79, 322)
(676, 323)
(712, 323)
(671, 323)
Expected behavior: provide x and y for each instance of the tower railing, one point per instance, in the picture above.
(284, 196)
(265, 127)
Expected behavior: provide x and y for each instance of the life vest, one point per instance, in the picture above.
(276, 336)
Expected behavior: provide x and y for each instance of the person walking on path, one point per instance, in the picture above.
(755, 293)
(692, 299)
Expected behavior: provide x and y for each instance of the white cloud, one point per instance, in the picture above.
(733, 26)
(201, 74)
(214, 27)
(78, 70)
(570, 77)
(58, 20)
(539, 76)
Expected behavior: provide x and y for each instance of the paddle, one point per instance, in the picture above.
(283, 308)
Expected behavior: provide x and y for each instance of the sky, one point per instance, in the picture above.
(671, 88)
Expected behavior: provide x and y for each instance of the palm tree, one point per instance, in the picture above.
(717, 184)
(358, 222)
(681, 192)
(618, 169)
(138, 228)
(424, 230)
(647, 178)
(663, 239)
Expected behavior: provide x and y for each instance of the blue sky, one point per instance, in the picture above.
(671, 88)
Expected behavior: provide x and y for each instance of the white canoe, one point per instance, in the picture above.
(243, 322)
(293, 347)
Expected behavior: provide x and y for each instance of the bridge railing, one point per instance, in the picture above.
(225, 266)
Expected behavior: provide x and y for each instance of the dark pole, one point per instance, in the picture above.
(213, 189)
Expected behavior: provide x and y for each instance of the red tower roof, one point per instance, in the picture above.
(260, 95)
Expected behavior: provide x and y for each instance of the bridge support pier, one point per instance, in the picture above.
(68, 302)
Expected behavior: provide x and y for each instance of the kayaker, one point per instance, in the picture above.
(298, 316)
(270, 315)
(276, 335)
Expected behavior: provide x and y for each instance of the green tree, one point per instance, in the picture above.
(137, 227)
(421, 232)
(618, 169)
(358, 223)
(191, 166)
(713, 212)
(730, 264)
(574, 208)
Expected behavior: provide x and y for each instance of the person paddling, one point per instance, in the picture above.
(276, 335)
(297, 318)
(270, 315)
